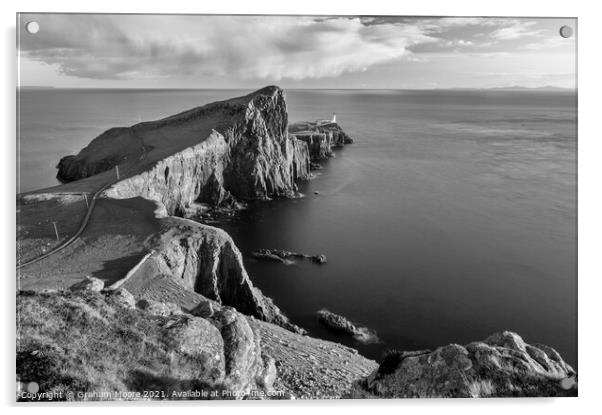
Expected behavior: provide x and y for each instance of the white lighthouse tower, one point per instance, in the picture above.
(334, 118)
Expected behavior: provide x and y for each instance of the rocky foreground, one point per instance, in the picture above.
(503, 365)
(170, 306)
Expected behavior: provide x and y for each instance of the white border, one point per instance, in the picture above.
(590, 208)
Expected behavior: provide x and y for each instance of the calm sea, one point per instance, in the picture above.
(452, 217)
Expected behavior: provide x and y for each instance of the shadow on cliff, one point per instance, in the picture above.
(115, 269)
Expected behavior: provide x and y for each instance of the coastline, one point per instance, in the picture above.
(160, 186)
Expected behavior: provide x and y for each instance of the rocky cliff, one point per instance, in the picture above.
(215, 154)
(205, 260)
(321, 138)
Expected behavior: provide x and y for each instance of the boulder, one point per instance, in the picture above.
(88, 284)
(158, 308)
(266, 377)
(197, 338)
(205, 309)
(245, 367)
(123, 298)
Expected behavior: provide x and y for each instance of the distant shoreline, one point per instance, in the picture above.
(501, 89)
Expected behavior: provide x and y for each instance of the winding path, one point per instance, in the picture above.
(86, 219)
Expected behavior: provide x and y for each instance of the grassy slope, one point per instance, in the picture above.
(80, 342)
(114, 241)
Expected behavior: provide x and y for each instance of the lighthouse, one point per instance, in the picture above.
(334, 118)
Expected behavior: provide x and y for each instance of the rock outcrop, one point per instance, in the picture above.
(282, 255)
(205, 259)
(123, 298)
(501, 365)
(245, 366)
(86, 342)
(82, 342)
(321, 138)
(319, 144)
(342, 324)
(233, 149)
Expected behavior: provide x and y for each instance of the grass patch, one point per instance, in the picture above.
(81, 343)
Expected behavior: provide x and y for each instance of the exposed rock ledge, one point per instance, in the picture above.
(502, 365)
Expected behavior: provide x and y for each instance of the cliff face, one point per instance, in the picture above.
(265, 161)
(321, 139)
(319, 144)
(205, 260)
(177, 181)
(503, 365)
(234, 149)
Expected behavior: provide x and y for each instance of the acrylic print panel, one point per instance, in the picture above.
(309, 207)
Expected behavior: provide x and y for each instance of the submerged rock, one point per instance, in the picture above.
(341, 324)
(284, 256)
(336, 322)
(320, 259)
(501, 365)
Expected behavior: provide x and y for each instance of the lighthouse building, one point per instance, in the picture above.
(333, 120)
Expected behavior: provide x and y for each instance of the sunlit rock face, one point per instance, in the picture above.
(205, 259)
(501, 365)
(238, 149)
(320, 137)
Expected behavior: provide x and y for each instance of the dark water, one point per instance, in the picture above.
(452, 217)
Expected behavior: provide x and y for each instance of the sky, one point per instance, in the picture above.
(200, 51)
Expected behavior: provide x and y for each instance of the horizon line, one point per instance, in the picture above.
(44, 87)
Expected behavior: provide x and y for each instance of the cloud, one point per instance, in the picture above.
(516, 30)
(550, 43)
(458, 42)
(249, 47)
